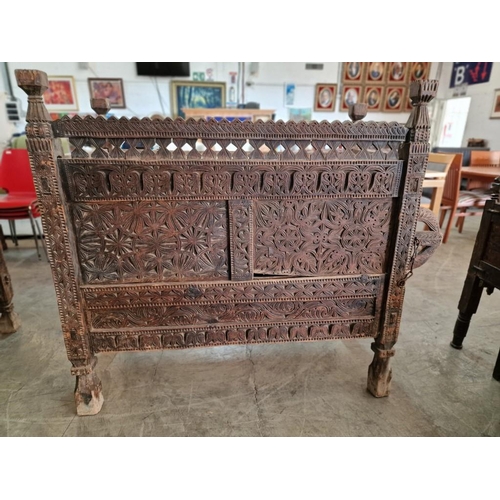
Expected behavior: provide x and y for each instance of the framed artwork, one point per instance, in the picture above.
(394, 100)
(397, 73)
(108, 88)
(419, 70)
(495, 112)
(375, 72)
(186, 94)
(374, 97)
(289, 94)
(300, 114)
(324, 96)
(351, 94)
(353, 72)
(61, 94)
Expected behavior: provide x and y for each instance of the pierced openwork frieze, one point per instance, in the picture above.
(216, 335)
(152, 241)
(107, 181)
(222, 150)
(321, 237)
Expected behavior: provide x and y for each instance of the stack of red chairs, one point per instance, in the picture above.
(19, 202)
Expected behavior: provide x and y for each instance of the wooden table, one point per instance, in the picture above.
(247, 114)
(481, 173)
(435, 179)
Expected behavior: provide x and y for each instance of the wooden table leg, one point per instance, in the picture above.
(2, 239)
(9, 320)
(469, 302)
(496, 371)
(437, 196)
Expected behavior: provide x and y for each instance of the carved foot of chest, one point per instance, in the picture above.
(9, 322)
(88, 395)
(379, 372)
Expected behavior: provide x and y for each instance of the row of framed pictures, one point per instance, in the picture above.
(380, 73)
(61, 92)
(390, 98)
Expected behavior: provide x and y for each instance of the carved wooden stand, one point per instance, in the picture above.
(9, 320)
(174, 234)
(483, 272)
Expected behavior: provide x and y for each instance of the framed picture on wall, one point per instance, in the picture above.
(185, 94)
(419, 70)
(351, 94)
(61, 94)
(289, 94)
(374, 97)
(394, 100)
(375, 72)
(397, 73)
(300, 114)
(108, 88)
(495, 112)
(324, 96)
(353, 72)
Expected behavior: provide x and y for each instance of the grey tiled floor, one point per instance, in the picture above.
(296, 389)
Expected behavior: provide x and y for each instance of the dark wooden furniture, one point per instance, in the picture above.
(484, 270)
(9, 320)
(174, 234)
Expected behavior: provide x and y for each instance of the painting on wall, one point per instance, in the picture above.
(394, 100)
(289, 94)
(375, 72)
(419, 70)
(353, 72)
(108, 88)
(351, 94)
(300, 114)
(325, 96)
(373, 97)
(61, 94)
(185, 94)
(495, 112)
(397, 73)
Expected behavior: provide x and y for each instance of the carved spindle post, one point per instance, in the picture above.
(43, 150)
(100, 106)
(357, 111)
(414, 152)
(9, 320)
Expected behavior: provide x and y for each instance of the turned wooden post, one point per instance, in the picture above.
(9, 320)
(44, 150)
(415, 153)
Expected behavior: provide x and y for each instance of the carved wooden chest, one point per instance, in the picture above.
(175, 234)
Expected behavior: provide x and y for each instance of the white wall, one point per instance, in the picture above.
(141, 95)
(479, 124)
(267, 87)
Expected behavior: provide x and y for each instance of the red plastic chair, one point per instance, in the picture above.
(20, 200)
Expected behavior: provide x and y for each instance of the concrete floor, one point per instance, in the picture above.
(295, 389)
